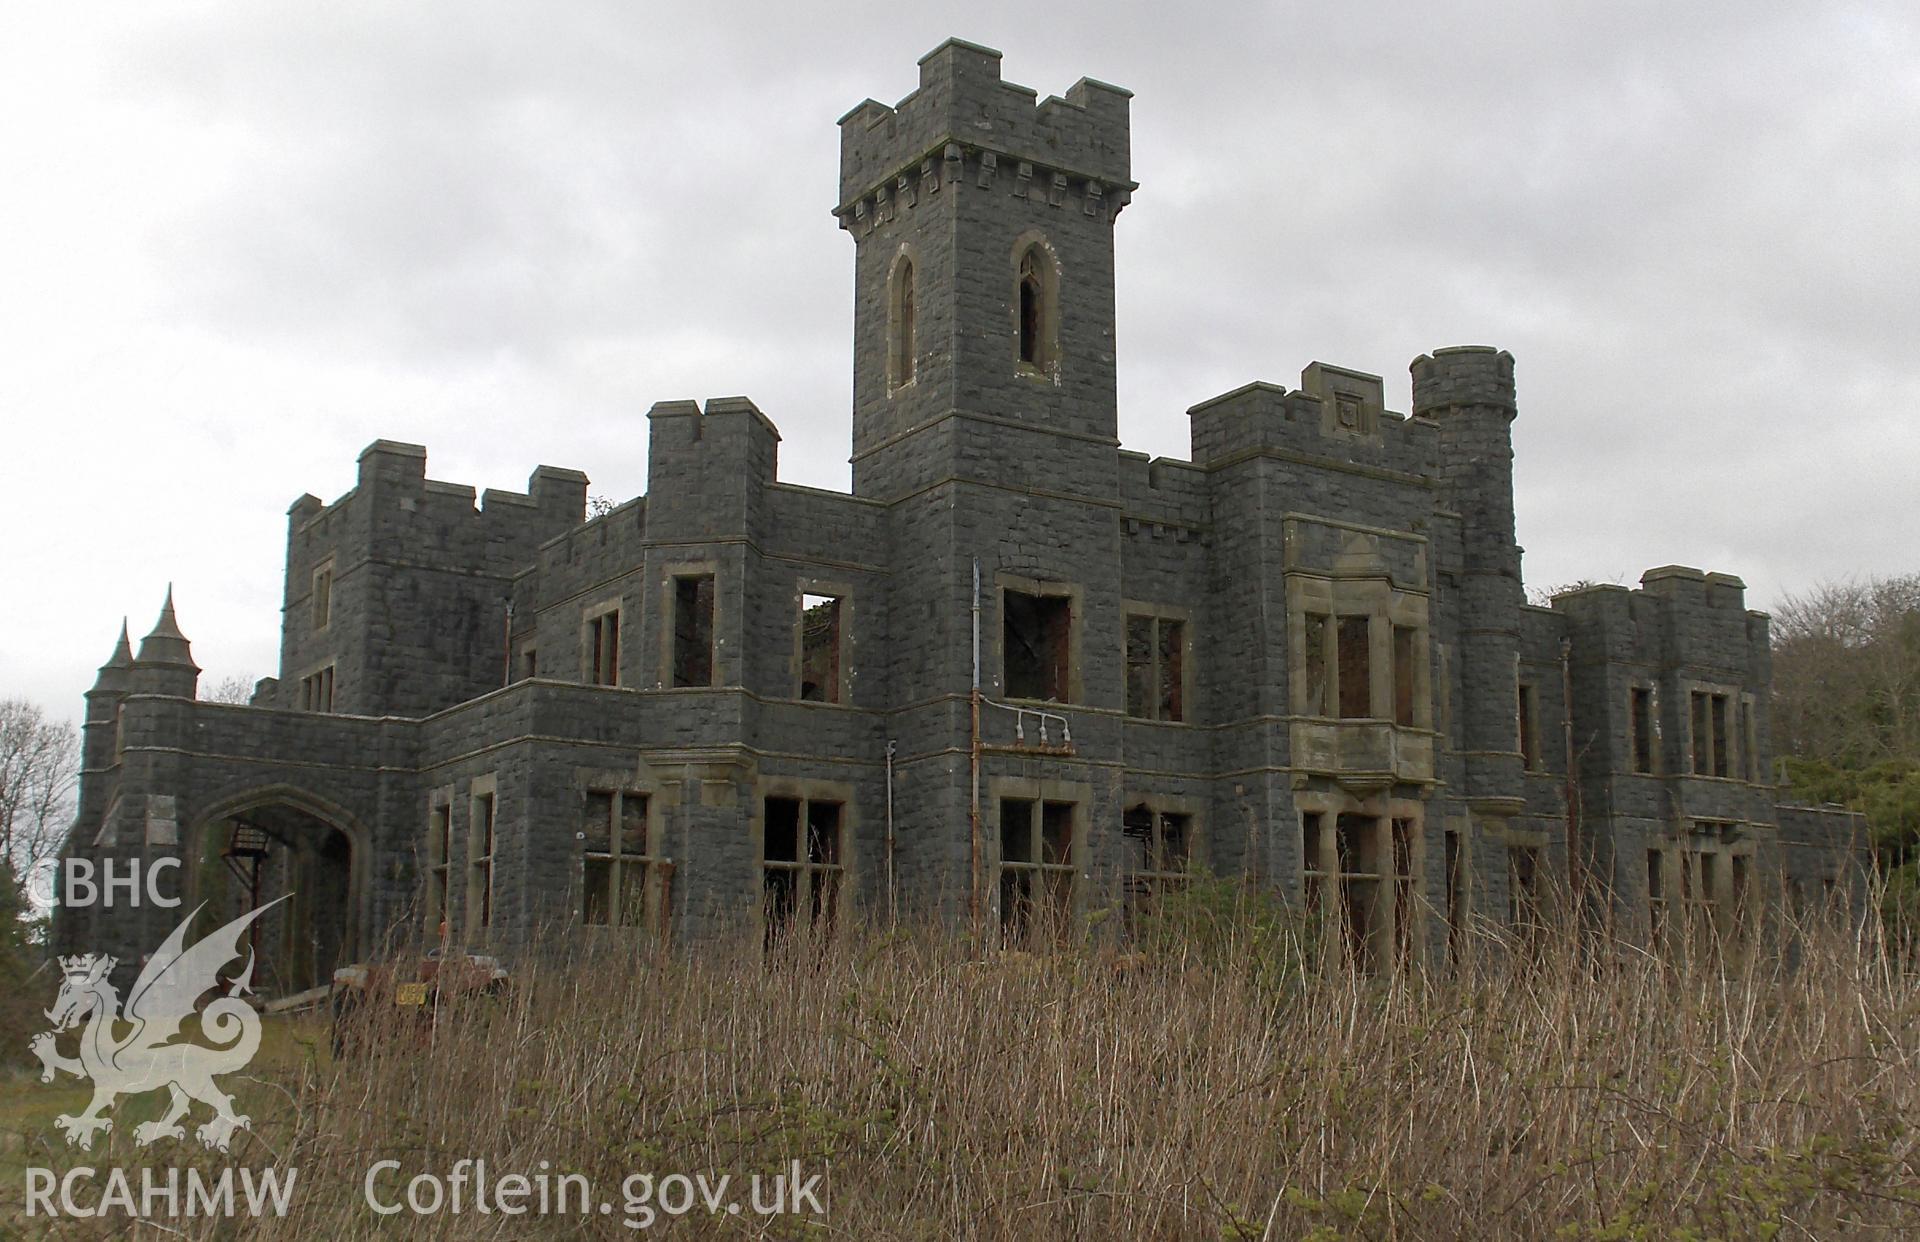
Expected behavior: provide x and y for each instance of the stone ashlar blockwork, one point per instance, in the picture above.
(1303, 656)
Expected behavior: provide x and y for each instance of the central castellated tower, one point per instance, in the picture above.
(983, 304)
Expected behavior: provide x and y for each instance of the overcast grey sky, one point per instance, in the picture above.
(240, 241)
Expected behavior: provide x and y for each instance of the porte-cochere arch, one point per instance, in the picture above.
(281, 843)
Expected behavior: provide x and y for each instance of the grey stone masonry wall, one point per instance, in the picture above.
(1302, 657)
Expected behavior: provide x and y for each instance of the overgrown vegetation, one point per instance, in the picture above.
(1846, 716)
(1221, 1086)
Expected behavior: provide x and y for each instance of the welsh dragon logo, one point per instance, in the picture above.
(145, 1059)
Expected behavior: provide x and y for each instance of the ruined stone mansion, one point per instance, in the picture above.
(1019, 676)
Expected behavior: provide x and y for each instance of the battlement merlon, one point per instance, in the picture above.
(963, 110)
(394, 503)
(731, 434)
(554, 491)
(1463, 376)
(1335, 411)
(1680, 582)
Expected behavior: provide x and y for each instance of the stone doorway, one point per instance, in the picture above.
(277, 851)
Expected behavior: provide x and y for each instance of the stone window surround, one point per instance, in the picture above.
(659, 867)
(1733, 693)
(1131, 608)
(1170, 804)
(842, 591)
(1001, 788)
(669, 580)
(1076, 596)
(319, 596)
(1385, 606)
(329, 666)
(1682, 848)
(804, 790)
(1747, 728)
(439, 803)
(902, 372)
(481, 791)
(1656, 764)
(590, 613)
(1527, 732)
(1506, 836)
(1459, 920)
(1035, 240)
(1329, 805)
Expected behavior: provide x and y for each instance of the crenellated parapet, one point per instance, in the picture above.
(966, 128)
(396, 593)
(1336, 414)
(1460, 377)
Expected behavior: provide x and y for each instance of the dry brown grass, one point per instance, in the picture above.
(1217, 1088)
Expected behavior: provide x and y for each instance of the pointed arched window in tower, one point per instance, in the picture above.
(1036, 307)
(900, 326)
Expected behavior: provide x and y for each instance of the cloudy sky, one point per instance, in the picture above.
(240, 241)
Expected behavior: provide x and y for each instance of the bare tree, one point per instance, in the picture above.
(39, 768)
(235, 689)
(1847, 671)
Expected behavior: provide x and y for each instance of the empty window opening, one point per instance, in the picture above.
(1711, 870)
(529, 663)
(316, 690)
(1356, 668)
(900, 343)
(1032, 308)
(439, 859)
(1155, 660)
(323, 596)
(1523, 888)
(1036, 868)
(1702, 736)
(1313, 868)
(1405, 678)
(480, 837)
(1315, 701)
(1640, 723)
(1529, 726)
(820, 648)
(1403, 947)
(1656, 893)
(1158, 848)
(801, 864)
(603, 649)
(624, 883)
(1456, 896)
(1738, 892)
(1717, 707)
(693, 630)
(1357, 857)
(1749, 743)
(1036, 641)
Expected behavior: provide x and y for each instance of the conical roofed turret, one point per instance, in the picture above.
(113, 675)
(165, 663)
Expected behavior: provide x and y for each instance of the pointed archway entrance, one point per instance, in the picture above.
(253, 852)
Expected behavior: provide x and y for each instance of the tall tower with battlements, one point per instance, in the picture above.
(983, 304)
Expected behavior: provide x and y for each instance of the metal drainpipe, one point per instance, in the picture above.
(506, 640)
(973, 893)
(893, 907)
(1572, 790)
